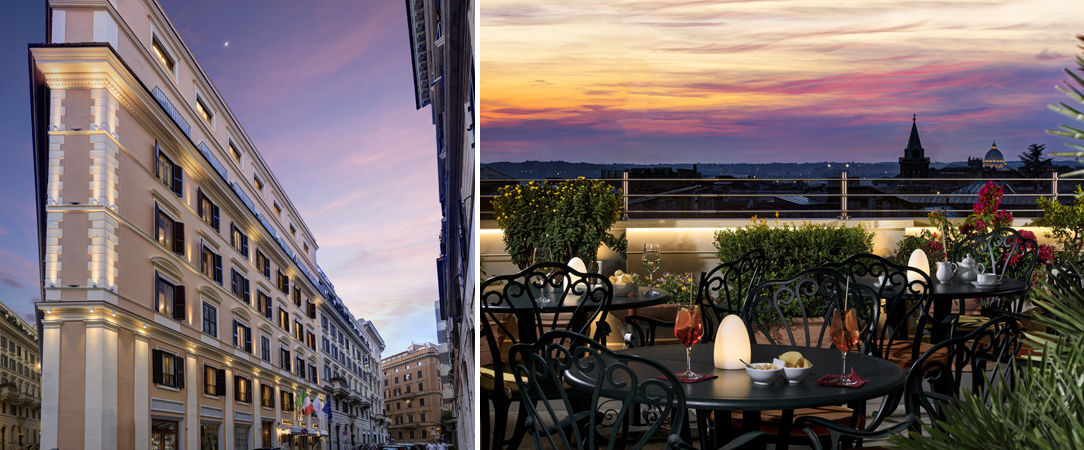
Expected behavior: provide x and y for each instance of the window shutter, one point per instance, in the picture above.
(248, 340)
(156, 366)
(178, 238)
(220, 382)
(157, 156)
(233, 235)
(248, 293)
(178, 302)
(237, 388)
(244, 245)
(199, 202)
(178, 180)
(178, 372)
(218, 268)
(214, 216)
(233, 281)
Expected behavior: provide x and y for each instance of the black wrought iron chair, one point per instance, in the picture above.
(511, 313)
(903, 295)
(563, 365)
(720, 291)
(797, 313)
(1006, 252)
(990, 355)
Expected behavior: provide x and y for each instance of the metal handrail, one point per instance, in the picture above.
(840, 207)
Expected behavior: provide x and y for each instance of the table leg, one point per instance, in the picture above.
(784, 429)
(703, 428)
(723, 429)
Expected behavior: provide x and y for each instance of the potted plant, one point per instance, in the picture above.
(562, 220)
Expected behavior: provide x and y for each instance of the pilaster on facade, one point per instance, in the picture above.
(53, 249)
(102, 251)
(103, 171)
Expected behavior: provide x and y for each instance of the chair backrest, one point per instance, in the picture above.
(798, 312)
(565, 413)
(723, 289)
(511, 312)
(1003, 251)
(903, 295)
(974, 362)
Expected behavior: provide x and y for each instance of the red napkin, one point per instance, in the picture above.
(835, 378)
(702, 377)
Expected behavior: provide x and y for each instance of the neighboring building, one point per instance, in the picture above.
(351, 377)
(373, 421)
(914, 163)
(993, 159)
(20, 382)
(442, 47)
(412, 398)
(180, 285)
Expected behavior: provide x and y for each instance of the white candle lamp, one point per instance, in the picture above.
(731, 343)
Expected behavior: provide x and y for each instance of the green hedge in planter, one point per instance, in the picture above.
(791, 249)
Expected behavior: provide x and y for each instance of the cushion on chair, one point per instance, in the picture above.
(899, 353)
(488, 377)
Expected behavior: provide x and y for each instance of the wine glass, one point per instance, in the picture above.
(543, 255)
(689, 328)
(844, 330)
(652, 260)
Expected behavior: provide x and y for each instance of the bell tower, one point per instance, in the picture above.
(914, 163)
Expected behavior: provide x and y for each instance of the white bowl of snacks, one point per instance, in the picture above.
(795, 367)
(763, 373)
(622, 283)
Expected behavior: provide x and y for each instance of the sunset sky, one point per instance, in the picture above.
(769, 80)
(325, 91)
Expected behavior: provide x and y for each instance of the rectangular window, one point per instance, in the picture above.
(265, 348)
(263, 264)
(238, 240)
(419, 386)
(163, 56)
(259, 183)
(310, 338)
(168, 232)
(284, 359)
(206, 209)
(210, 319)
(419, 374)
(299, 333)
(284, 320)
(168, 369)
(267, 396)
(240, 437)
(164, 434)
(286, 401)
(284, 283)
(323, 322)
(293, 230)
(240, 287)
(278, 209)
(300, 367)
(210, 264)
(242, 389)
(168, 298)
(204, 112)
(297, 295)
(167, 172)
(263, 304)
(214, 381)
(326, 345)
(312, 373)
(235, 152)
(421, 401)
(242, 336)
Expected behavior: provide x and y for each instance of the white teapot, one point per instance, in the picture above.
(968, 270)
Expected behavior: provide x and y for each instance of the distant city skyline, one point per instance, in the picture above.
(785, 81)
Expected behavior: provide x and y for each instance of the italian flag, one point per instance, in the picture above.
(309, 408)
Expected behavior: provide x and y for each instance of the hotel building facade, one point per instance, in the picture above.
(412, 394)
(20, 382)
(180, 284)
(442, 47)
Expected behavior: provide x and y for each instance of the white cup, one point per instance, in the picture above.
(987, 278)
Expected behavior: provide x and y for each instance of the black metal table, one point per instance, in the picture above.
(569, 305)
(524, 308)
(733, 390)
(945, 293)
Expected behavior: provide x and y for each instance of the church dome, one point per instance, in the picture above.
(993, 159)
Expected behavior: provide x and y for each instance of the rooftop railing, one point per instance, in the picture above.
(841, 197)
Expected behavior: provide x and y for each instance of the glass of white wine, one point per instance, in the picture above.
(652, 260)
